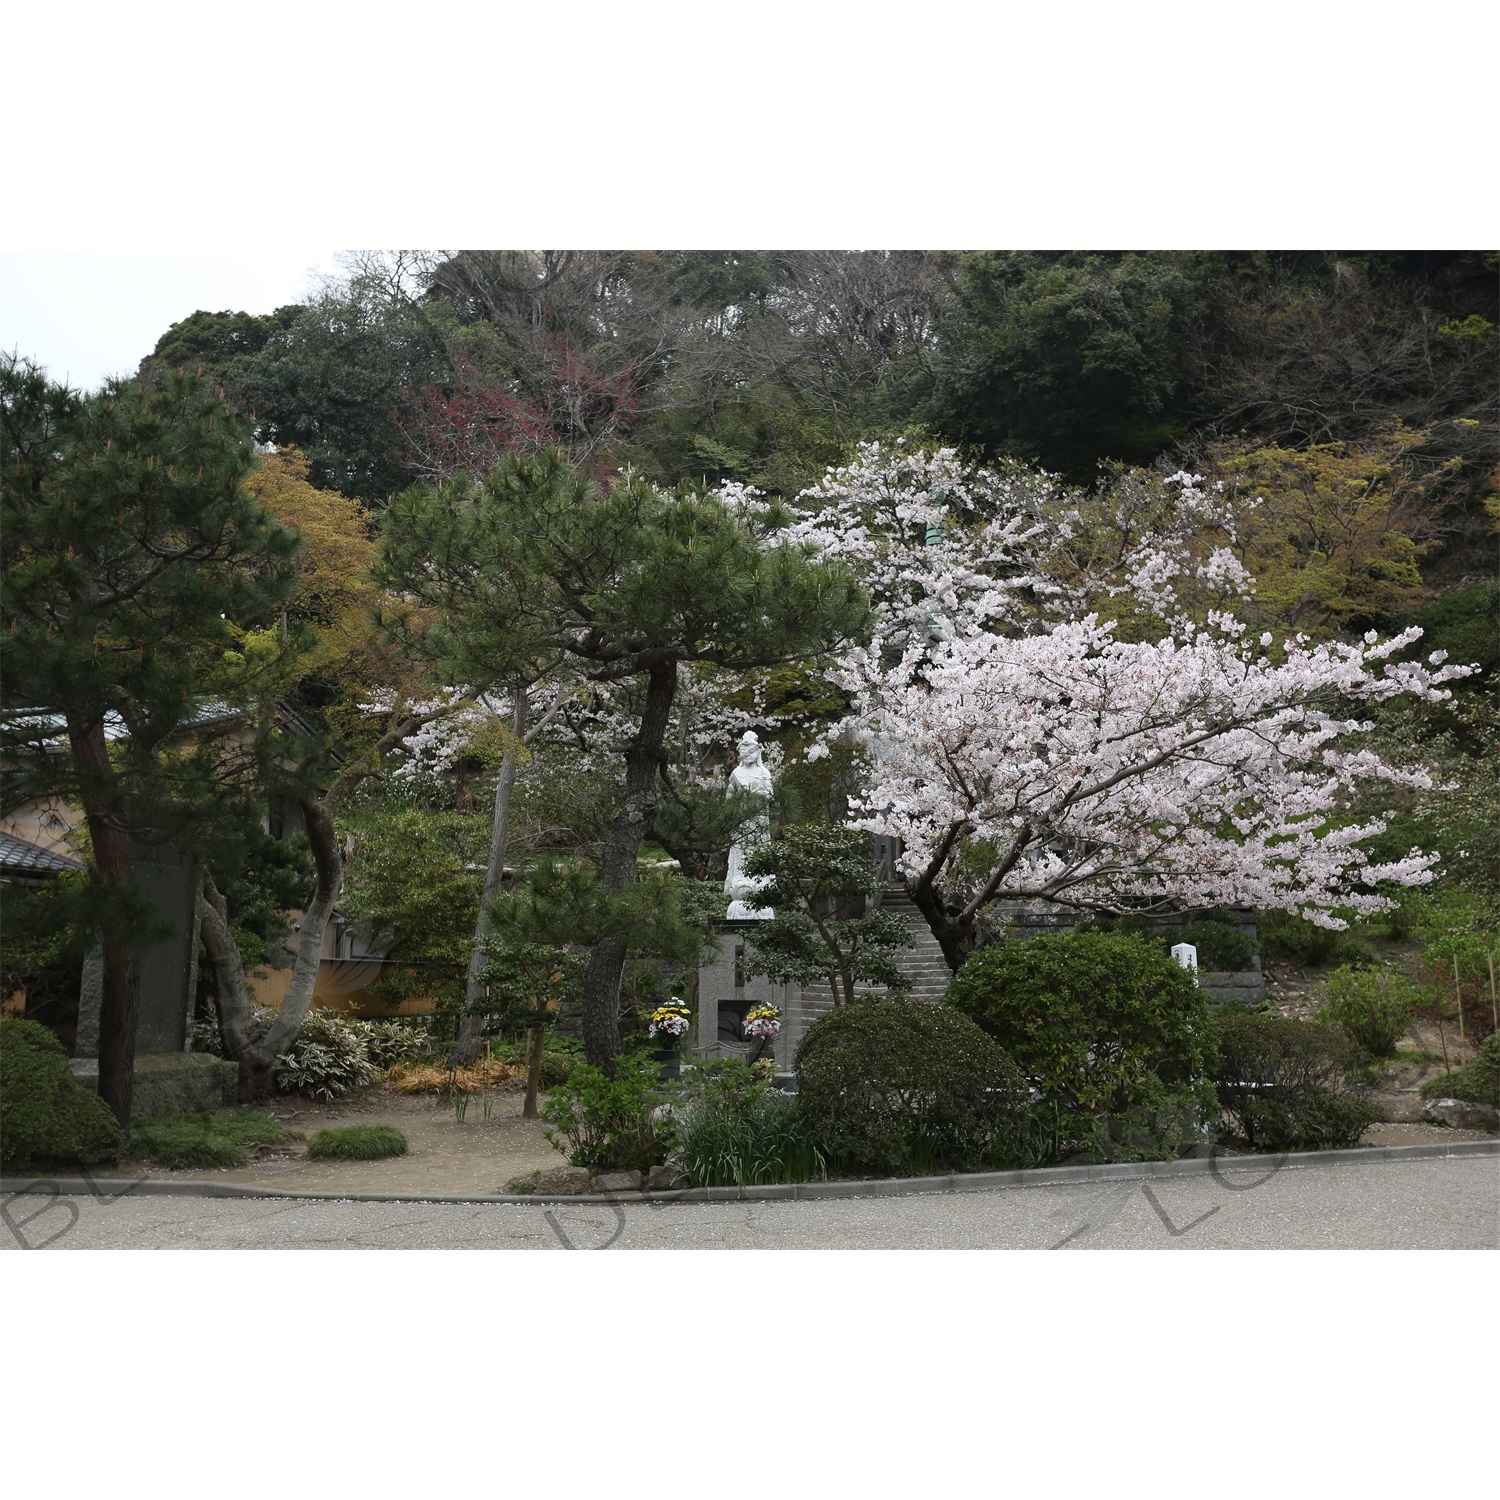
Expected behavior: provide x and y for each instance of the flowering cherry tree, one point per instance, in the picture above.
(947, 550)
(1022, 749)
(1109, 775)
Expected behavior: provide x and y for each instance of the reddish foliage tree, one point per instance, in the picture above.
(575, 406)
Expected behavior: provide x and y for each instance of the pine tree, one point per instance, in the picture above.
(131, 553)
(629, 583)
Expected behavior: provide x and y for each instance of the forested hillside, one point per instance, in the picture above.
(765, 366)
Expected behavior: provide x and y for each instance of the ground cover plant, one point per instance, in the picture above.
(1289, 1085)
(1108, 1030)
(733, 1129)
(900, 1087)
(1478, 1080)
(44, 1114)
(356, 1143)
(204, 1140)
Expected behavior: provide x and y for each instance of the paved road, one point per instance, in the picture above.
(1433, 1204)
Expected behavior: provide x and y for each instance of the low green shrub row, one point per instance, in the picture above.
(45, 1116)
(204, 1141)
(1092, 1044)
(356, 1143)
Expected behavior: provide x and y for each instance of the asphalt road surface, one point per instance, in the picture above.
(1451, 1203)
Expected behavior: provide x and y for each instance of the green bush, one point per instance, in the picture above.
(1372, 1007)
(1220, 945)
(1287, 1085)
(44, 1114)
(557, 1068)
(734, 1130)
(329, 1056)
(1478, 1081)
(899, 1086)
(1215, 934)
(356, 1143)
(609, 1123)
(1109, 1031)
(1290, 938)
(201, 1140)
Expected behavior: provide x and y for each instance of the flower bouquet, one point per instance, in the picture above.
(763, 1022)
(669, 1022)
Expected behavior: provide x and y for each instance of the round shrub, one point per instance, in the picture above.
(901, 1086)
(1114, 1036)
(1286, 1085)
(356, 1143)
(1372, 1007)
(44, 1114)
(557, 1068)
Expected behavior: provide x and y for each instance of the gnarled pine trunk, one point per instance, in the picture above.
(631, 827)
(257, 1059)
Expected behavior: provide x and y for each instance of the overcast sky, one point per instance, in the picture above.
(89, 314)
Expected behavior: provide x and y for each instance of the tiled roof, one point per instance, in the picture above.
(17, 857)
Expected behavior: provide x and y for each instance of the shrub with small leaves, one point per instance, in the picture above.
(1372, 1007)
(1477, 1081)
(904, 1086)
(44, 1114)
(1290, 1085)
(609, 1122)
(1112, 1034)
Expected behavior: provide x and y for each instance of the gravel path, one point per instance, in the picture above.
(1451, 1203)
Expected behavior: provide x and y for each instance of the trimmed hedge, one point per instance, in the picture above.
(44, 1114)
(1285, 1085)
(1114, 1036)
(899, 1087)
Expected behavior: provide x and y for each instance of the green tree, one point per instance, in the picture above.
(1067, 359)
(820, 878)
(414, 885)
(630, 583)
(132, 555)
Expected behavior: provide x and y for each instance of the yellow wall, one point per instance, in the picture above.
(342, 985)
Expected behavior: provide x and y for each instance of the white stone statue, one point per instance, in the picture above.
(751, 775)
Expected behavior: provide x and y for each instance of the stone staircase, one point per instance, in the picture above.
(925, 964)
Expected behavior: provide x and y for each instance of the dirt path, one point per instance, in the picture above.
(443, 1156)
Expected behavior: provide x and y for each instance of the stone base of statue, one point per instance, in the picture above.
(743, 911)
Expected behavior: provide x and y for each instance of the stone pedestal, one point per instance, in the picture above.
(726, 994)
(171, 1083)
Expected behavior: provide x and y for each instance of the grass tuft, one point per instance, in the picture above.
(200, 1140)
(357, 1143)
